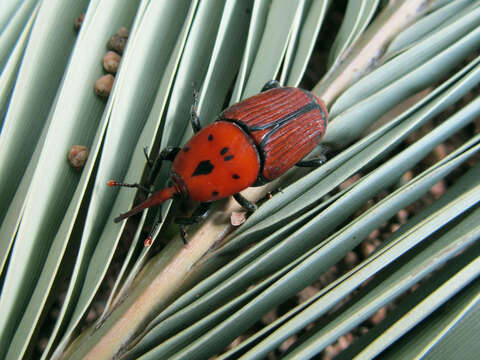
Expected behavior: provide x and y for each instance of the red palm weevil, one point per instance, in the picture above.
(251, 143)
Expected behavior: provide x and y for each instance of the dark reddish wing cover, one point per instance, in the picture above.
(285, 123)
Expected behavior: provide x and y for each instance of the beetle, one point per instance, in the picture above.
(250, 143)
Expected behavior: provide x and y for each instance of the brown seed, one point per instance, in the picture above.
(92, 315)
(103, 86)
(78, 22)
(307, 293)
(123, 32)
(287, 343)
(118, 41)
(438, 189)
(111, 61)
(344, 341)
(42, 344)
(367, 248)
(394, 227)
(349, 182)
(78, 156)
(269, 317)
(375, 234)
(402, 216)
(351, 259)
(378, 316)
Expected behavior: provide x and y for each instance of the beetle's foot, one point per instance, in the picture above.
(169, 154)
(314, 162)
(317, 160)
(197, 216)
(194, 118)
(272, 84)
(149, 161)
(113, 183)
(245, 203)
(183, 234)
(149, 239)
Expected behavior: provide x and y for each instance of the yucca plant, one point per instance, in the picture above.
(304, 276)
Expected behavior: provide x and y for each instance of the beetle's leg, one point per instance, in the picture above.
(168, 154)
(315, 161)
(245, 203)
(312, 162)
(194, 119)
(197, 216)
(149, 161)
(272, 84)
(183, 234)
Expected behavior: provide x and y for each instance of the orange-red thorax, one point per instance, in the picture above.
(219, 161)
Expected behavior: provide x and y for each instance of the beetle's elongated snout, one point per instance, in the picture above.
(155, 199)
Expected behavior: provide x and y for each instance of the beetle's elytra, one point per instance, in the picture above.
(285, 124)
(251, 143)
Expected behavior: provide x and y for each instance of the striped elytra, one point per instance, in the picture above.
(285, 123)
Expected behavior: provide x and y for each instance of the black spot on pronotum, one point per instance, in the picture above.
(214, 193)
(228, 157)
(204, 167)
(224, 151)
(210, 137)
(186, 149)
(236, 176)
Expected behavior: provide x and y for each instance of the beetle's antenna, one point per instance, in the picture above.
(156, 199)
(113, 183)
